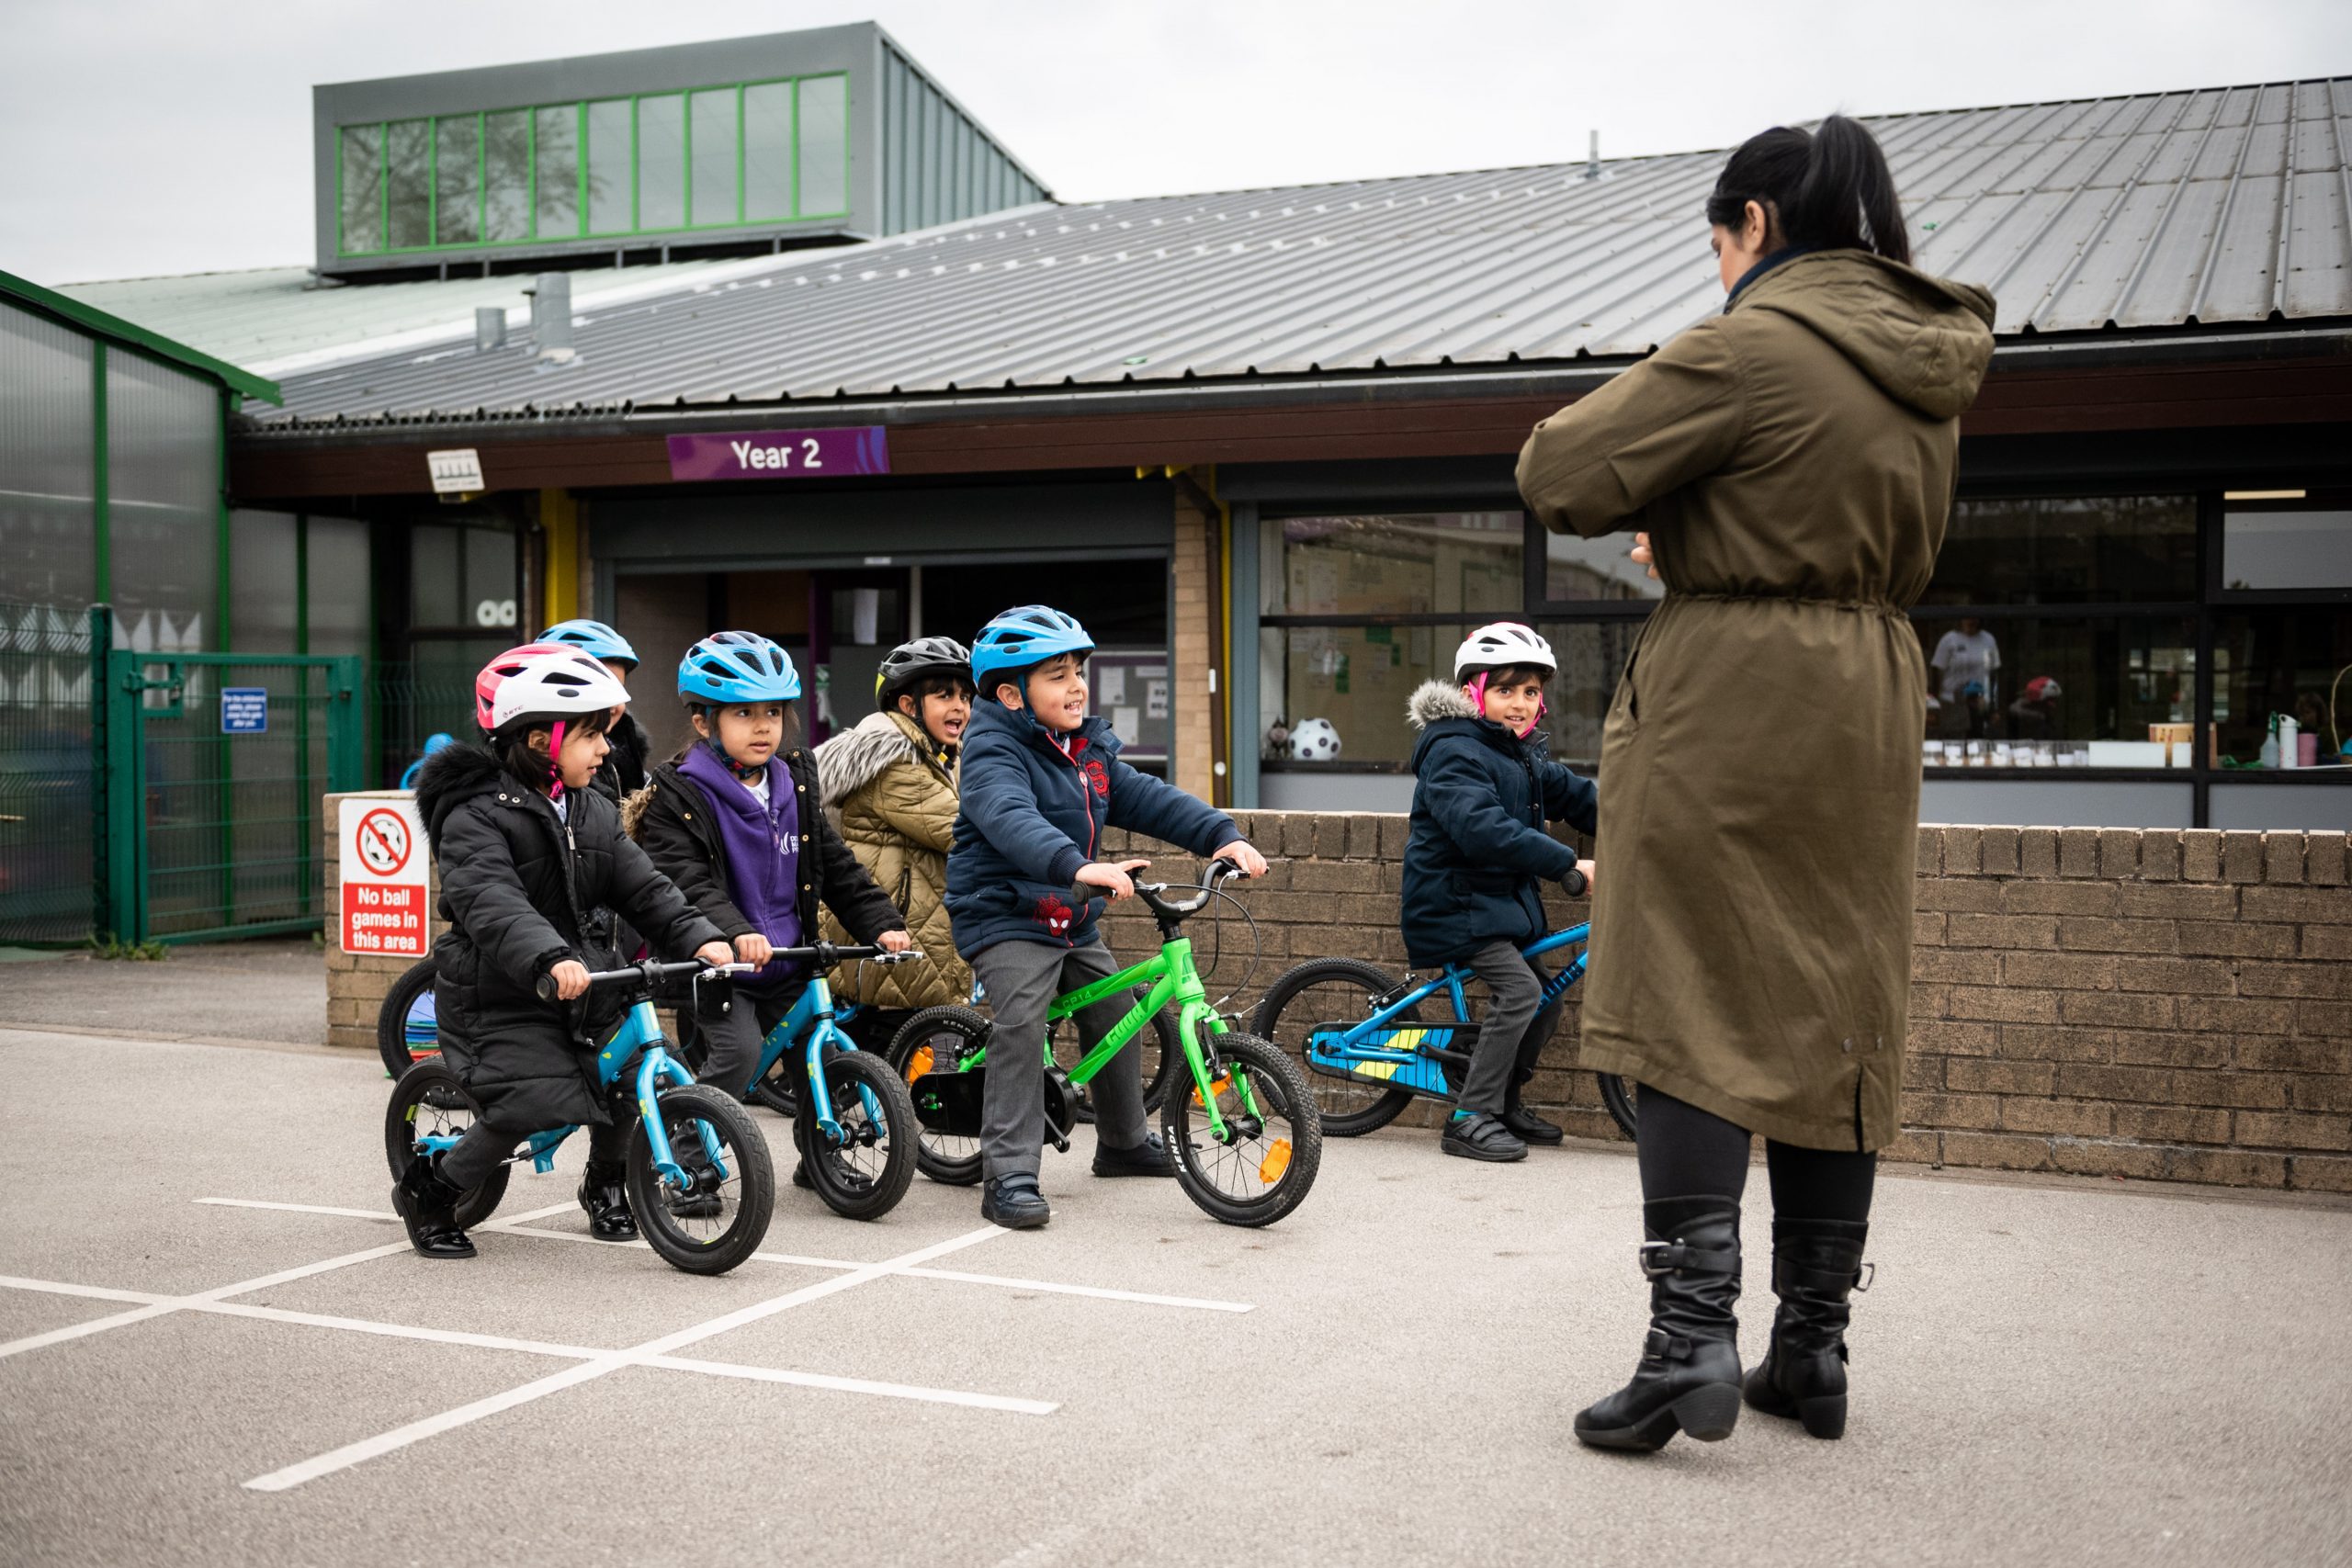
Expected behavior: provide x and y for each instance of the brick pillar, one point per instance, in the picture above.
(1190, 754)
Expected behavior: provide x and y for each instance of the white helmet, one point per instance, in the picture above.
(1314, 740)
(1498, 643)
(562, 683)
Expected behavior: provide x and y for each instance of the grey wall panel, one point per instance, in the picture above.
(2088, 803)
(2277, 807)
(1335, 792)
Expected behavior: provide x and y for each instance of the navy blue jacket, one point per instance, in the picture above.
(1475, 849)
(1030, 815)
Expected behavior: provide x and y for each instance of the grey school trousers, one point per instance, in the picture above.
(1511, 1035)
(1021, 978)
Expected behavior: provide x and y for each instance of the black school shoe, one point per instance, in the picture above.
(604, 1199)
(1530, 1128)
(427, 1206)
(1014, 1202)
(1482, 1136)
(1150, 1157)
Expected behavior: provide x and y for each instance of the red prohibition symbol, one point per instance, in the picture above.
(383, 842)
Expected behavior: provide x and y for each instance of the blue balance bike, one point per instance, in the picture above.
(852, 1117)
(699, 1179)
(1380, 1043)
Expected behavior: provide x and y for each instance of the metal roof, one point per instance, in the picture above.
(102, 323)
(2154, 211)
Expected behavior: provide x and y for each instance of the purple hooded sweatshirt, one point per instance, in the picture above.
(762, 848)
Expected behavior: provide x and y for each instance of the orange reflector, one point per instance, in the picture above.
(1277, 1160)
(1216, 1086)
(920, 1063)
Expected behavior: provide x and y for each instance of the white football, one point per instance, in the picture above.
(1314, 740)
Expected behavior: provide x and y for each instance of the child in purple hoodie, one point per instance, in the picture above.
(744, 840)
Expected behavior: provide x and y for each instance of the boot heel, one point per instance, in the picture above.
(1709, 1413)
(1824, 1416)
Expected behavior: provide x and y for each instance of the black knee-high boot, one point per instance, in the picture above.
(1815, 1263)
(1689, 1377)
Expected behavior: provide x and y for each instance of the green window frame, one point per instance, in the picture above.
(371, 145)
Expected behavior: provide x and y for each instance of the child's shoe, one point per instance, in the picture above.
(1480, 1136)
(1014, 1202)
(427, 1206)
(1527, 1126)
(606, 1201)
(1150, 1157)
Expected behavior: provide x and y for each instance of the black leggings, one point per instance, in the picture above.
(1687, 1152)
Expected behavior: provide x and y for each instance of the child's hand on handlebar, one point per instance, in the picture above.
(1244, 856)
(571, 978)
(894, 942)
(754, 949)
(1587, 867)
(1114, 879)
(711, 952)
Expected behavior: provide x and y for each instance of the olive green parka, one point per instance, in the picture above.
(894, 794)
(1792, 461)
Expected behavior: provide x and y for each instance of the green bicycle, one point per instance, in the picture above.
(1243, 1128)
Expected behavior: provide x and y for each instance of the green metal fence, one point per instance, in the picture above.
(48, 807)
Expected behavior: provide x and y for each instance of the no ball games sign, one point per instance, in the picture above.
(384, 871)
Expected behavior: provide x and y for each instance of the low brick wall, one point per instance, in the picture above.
(2167, 1005)
(355, 985)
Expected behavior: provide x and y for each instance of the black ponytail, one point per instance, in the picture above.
(1829, 190)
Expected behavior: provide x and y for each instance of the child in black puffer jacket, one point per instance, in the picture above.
(526, 852)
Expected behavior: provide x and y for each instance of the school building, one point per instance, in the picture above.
(773, 334)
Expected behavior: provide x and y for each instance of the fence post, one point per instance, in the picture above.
(102, 852)
(346, 727)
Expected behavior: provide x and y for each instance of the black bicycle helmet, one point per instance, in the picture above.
(910, 661)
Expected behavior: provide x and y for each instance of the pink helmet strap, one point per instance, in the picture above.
(1476, 687)
(555, 760)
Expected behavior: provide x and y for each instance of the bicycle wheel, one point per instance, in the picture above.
(405, 1030)
(931, 1040)
(1158, 1044)
(1319, 994)
(689, 1229)
(1618, 1096)
(429, 1102)
(865, 1175)
(777, 1088)
(1265, 1165)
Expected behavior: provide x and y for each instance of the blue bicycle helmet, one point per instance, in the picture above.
(593, 638)
(726, 668)
(1023, 637)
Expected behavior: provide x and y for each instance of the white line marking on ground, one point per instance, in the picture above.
(351, 1454)
(302, 1208)
(855, 1385)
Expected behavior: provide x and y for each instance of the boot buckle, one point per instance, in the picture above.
(1669, 1261)
(1660, 1346)
(1864, 1275)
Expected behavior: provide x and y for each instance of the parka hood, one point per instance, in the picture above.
(1925, 341)
(847, 762)
(1439, 708)
(1435, 700)
(451, 777)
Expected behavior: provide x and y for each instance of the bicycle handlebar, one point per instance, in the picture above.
(1150, 891)
(1574, 881)
(649, 972)
(824, 955)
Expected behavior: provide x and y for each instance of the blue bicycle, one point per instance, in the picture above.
(699, 1179)
(855, 1122)
(1385, 1041)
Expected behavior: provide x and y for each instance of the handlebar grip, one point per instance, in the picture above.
(546, 988)
(1574, 881)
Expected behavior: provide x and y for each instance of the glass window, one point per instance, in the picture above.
(490, 596)
(408, 183)
(610, 184)
(264, 598)
(1592, 654)
(2068, 550)
(1576, 568)
(456, 181)
(47, 463)
(662, 162)
(433, 583)
(339, 579)
(825, 146)
(1356, 677)
(506, 176)
(2109, 692)
(767, 150)
(362, 192)
(2292, 548)
(2267, 662)
(714, 160)
(163, 497)
(557, 132)
(1415, 564)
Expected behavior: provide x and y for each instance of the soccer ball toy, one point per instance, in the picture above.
(1314, 740)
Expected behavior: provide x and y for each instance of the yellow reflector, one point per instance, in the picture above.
(1277, 1160)
(920, 1063)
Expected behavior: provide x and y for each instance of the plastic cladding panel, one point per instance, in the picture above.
(163, 499)
(47, 462)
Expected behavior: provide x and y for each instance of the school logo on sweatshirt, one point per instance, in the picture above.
(1098, 777)
(1054, 915)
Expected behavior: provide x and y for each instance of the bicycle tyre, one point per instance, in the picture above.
(1282, 1092)
(742, 1147)
(391, 1019)
(429, 1091)
(1371, 1110)
(1161, 1054)
(1618, 1096)
(855, 1188)
(945, 1158)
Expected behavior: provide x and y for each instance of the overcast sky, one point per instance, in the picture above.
(148, 137)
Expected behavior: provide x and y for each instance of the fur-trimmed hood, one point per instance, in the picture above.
(451, 777)
(1435, 700)
(857, 757)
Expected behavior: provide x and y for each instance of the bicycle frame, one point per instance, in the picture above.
(1364, 1049)
(814, 1024)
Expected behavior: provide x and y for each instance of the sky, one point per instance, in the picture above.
(154, 136)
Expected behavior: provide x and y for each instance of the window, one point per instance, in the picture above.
(1578, 569)
(715, 157)
(2070, 692)
(2286, 546)
(2069, 550)
(2272, 662)
(462, 577)
(1414, 564)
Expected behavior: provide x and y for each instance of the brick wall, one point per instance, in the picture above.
(1190, 752)
(2172, 1006)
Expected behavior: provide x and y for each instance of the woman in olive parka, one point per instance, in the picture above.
(1790, 466)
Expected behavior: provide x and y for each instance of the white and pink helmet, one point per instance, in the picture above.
(542, 678)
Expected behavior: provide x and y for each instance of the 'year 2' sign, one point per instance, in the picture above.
(384, 866)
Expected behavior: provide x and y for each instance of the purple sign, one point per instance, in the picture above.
(781, 454)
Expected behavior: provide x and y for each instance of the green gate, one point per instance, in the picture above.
(212, 766)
